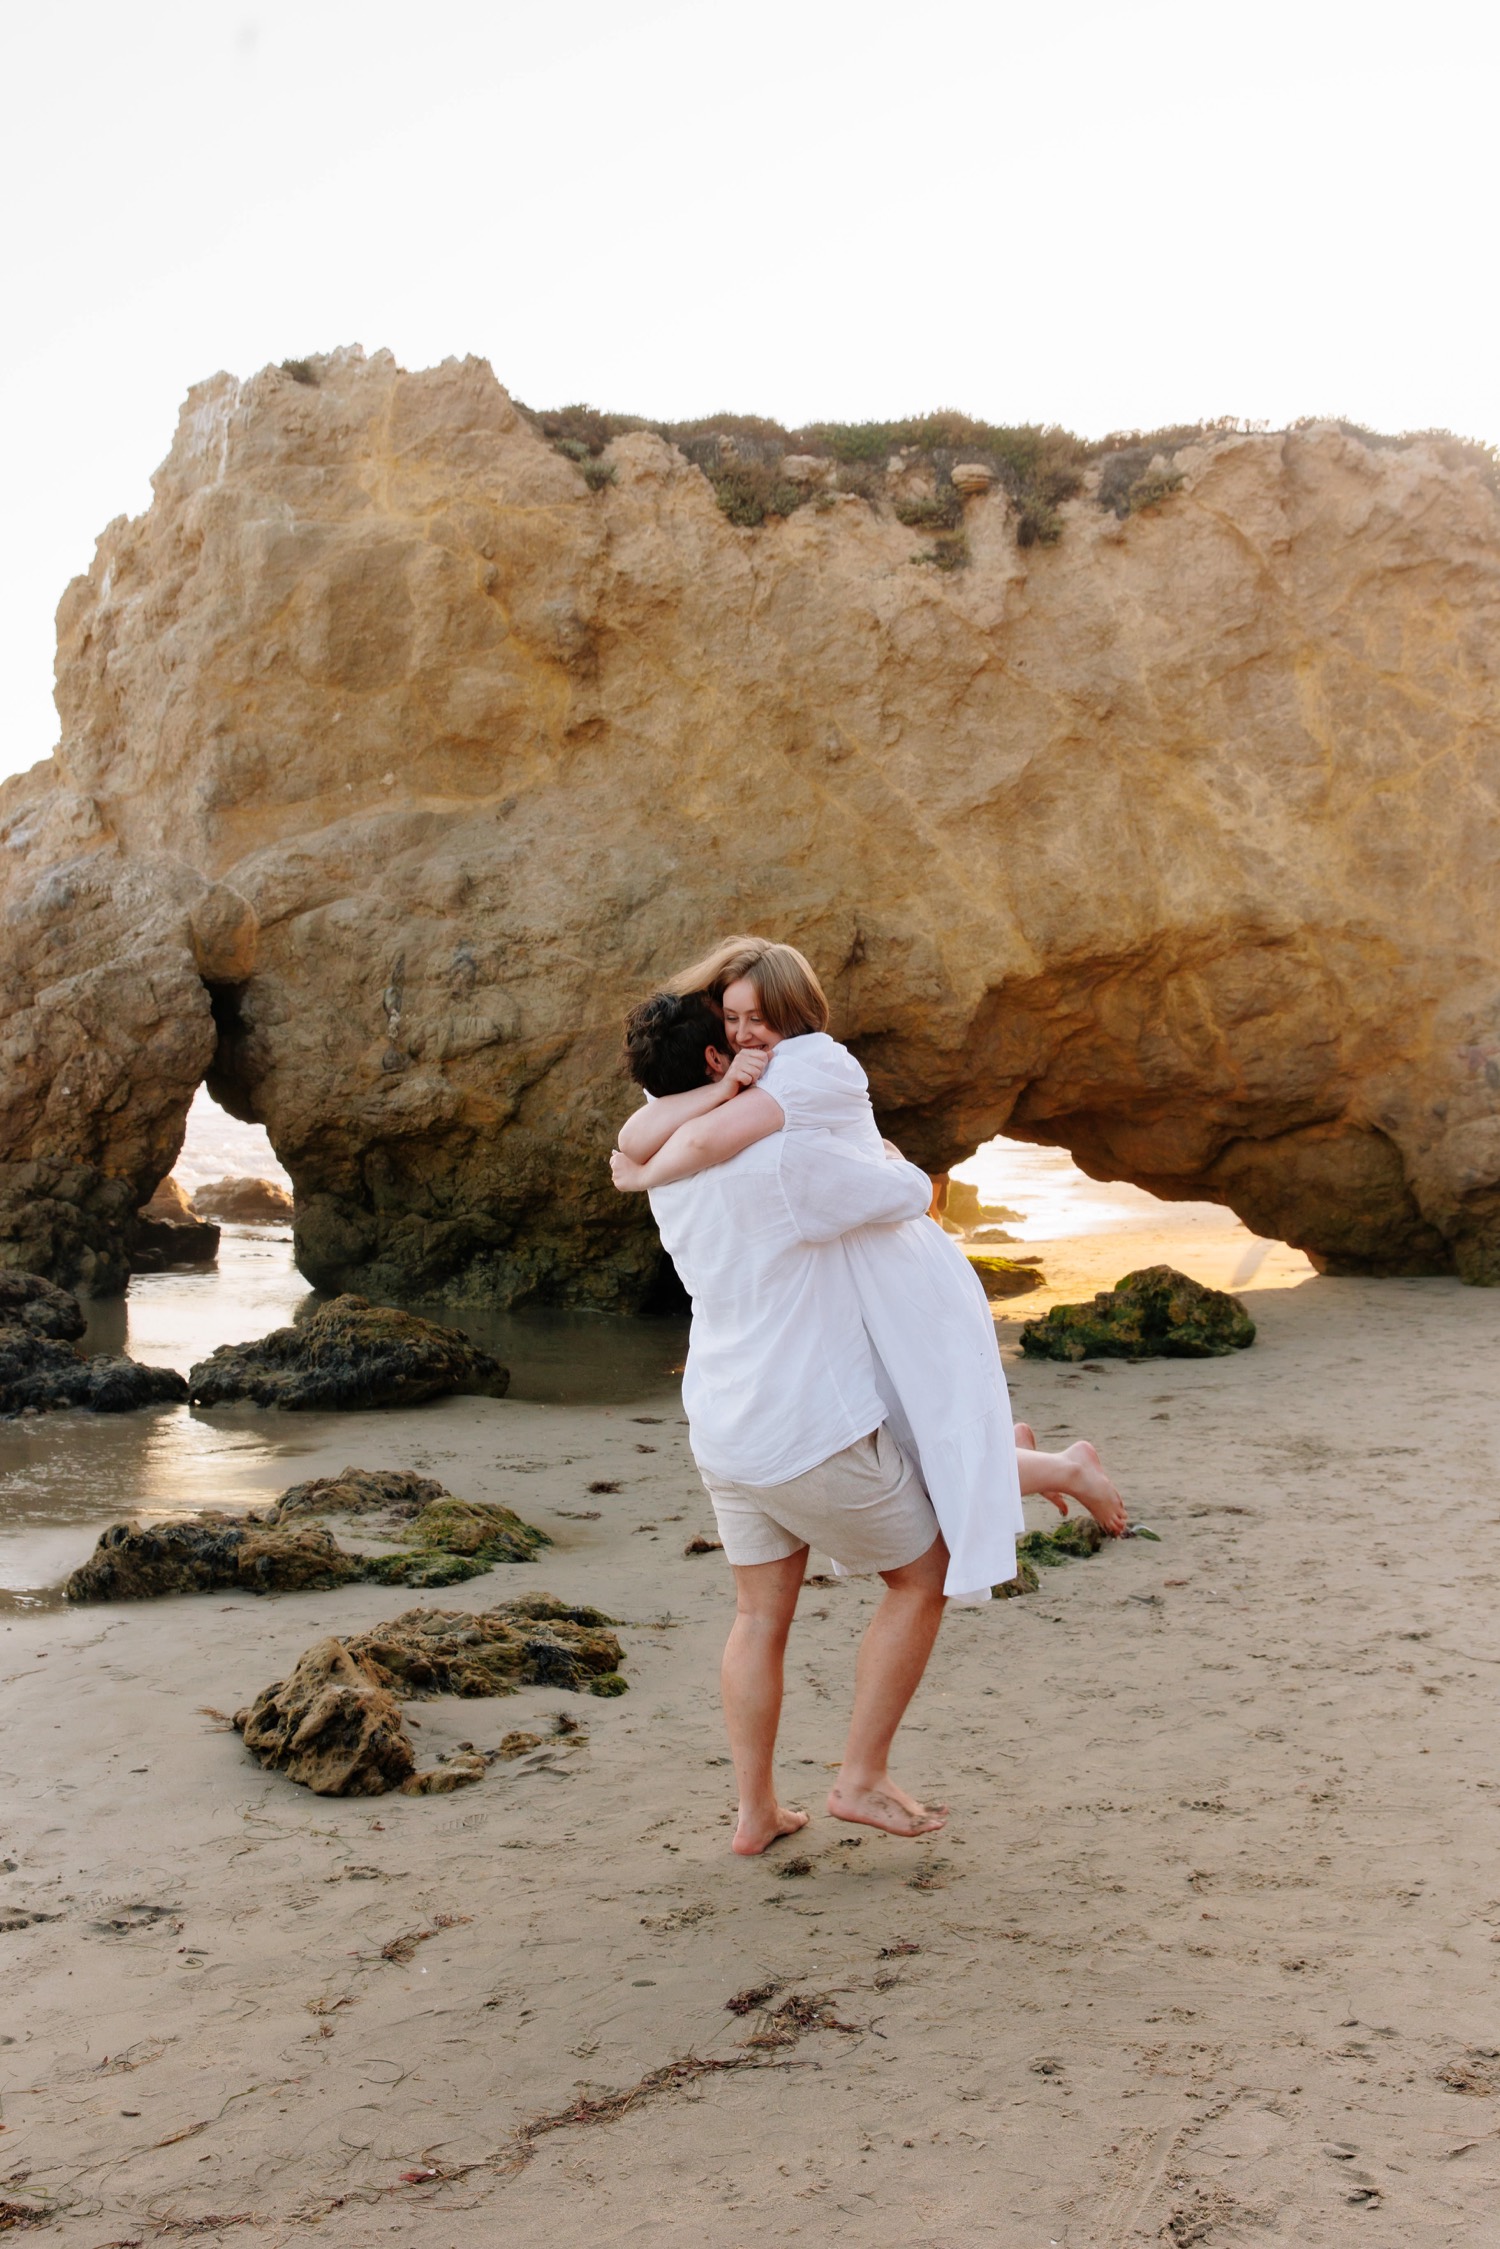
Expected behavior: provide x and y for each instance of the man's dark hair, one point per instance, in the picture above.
(665, 1038)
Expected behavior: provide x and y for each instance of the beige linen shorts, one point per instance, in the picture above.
(865, 1507)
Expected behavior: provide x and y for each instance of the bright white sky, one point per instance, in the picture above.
(1105, 213)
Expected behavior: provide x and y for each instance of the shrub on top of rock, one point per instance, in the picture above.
(348, 1354)
(1155, 1313)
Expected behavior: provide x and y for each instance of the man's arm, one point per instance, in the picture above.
(652, 1125)
(832, 1189)
(700, 1145)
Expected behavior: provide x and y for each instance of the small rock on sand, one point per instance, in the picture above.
(336, 1726)
(1155, 1313)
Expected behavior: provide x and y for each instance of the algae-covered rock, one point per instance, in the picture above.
(1024, 1581)
(211, 1554)
(1155, 1313)
(1080, 1535)
(1072, 1541)
(333, 1726)
(480, 1530)
(537, 1642)
(336, 1725)
(1003, 1276)
(452, 1540)
(41, 1367)
(398, 1493)
(348, 1354)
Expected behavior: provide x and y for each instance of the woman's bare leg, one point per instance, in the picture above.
(751, 1678)
(892, 1658)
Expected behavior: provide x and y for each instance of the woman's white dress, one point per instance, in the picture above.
(929, 1322)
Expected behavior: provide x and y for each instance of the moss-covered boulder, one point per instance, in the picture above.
(536, 1641)
(210, 1554)
(1155, 1313)
(349, 1354)
(481, 1531)
(336, 1726)
(395, 1494)
(442, 1541)
(1003, 1276)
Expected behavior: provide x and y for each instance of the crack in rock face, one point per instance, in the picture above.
(402, 751)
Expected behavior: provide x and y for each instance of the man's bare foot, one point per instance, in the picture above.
(754, 1835)
(1092, 1489)
(1026, 1440)
(882, 1804)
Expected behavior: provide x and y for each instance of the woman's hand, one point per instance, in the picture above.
(628, 1176)
(745, 1069)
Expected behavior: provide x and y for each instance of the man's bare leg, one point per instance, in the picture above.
(751, 1677)
(892, 1658)
(1078, 1473)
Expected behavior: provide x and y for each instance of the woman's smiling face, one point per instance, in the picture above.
(743, 1021)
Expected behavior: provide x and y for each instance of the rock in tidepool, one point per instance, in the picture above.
(336, 1726)
(442, 1541)
(41, 1367)
(349, 1354)
(244, 1202)
(168, 1232)
(1155, 1313)
(331, 1725)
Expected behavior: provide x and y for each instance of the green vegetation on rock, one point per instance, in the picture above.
(1155, 1313)
(1003, 1276)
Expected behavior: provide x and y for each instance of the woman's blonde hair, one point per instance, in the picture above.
(786, 984)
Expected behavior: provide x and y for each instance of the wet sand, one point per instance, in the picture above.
(1206, 1955)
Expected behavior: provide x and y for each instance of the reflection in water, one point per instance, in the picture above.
(64, 1475)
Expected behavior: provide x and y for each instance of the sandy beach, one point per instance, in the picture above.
(1204, 1956)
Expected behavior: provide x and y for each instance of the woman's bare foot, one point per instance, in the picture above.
(755, 1833)
(882, 1804)
(1026, 1439)
(1092, 1489)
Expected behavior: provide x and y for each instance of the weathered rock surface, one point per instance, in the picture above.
(336, 1726)
(244, 1202)
(349, 1354)
(400, 751)
(210, 1554)
(41, 1368)
(281, 1549)
(1153, 1314)
(331, 1725)
(167, 1232)
(536, 1642)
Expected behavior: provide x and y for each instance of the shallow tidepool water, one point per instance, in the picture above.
(64, 1476)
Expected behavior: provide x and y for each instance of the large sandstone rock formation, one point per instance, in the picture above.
(401, 752)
